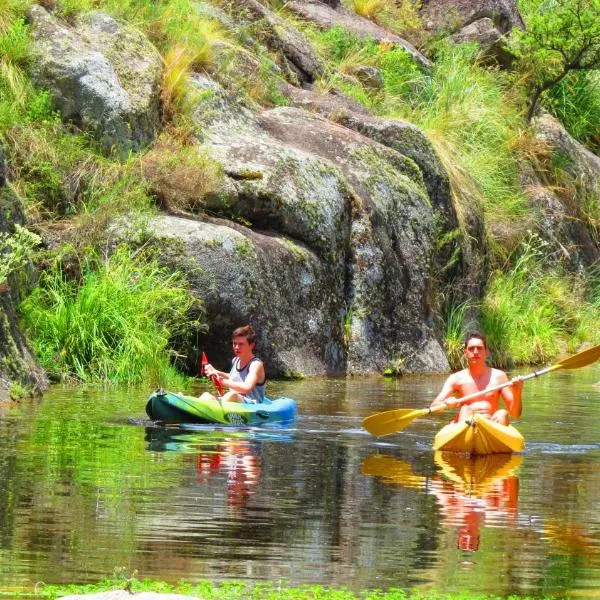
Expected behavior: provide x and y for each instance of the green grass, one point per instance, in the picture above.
(113, 324)
(233, 590)
(575, 102)
(533, 312)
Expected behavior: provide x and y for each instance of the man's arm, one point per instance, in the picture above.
(511, 395)
(448, 390)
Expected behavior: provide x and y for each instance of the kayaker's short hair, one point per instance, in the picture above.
(475, 334)
(246, 331)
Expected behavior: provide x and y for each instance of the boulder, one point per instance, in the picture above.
(562, 219)
(285, 40)
(462, 261)
(104, 76)
(268, 279)
(490, 39)
(449, 16)
(355, 212)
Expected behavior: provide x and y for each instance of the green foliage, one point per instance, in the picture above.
(561, 36)
(531, 313)
(16, 250)
(575, 101)
(234, 590)
(455, 332)
(469, 117)
(15, 44)
(114, 324)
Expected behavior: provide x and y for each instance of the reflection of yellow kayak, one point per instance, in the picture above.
(479, 435)
(473, 474)
(476, 474)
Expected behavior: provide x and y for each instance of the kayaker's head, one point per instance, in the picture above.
(475, 347)
(243, 340)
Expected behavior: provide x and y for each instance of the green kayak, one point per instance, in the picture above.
(170, 407)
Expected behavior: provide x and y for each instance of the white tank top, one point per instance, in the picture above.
(255, 396)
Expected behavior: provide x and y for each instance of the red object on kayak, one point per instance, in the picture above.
(214, 378)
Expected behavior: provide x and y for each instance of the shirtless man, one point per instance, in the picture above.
(479, 376)
(246, 379)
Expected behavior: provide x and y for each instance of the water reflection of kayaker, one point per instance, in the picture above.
(246, 379)
(479, 376)
(241, 465)
(468, 490)
(485, 488)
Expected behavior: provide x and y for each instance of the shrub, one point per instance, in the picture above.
(113, 323)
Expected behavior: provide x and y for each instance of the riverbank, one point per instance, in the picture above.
(208, 590)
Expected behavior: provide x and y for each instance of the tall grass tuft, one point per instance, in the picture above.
(532, 312)
(455, 332)
(468, 115)
(113, 325)
(575, 102)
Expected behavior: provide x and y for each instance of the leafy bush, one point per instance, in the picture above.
(114, 324)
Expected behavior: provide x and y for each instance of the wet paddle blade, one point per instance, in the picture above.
(392, 421)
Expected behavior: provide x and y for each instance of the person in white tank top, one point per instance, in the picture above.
(246, 379)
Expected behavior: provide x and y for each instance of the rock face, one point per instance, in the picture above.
(335, 272)
(103, 76)
(330, 14)
(452, 15)
(483, 21)
(562, 222)
(289, 42)
(17, 366)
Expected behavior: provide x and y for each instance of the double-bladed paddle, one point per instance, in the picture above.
(213, 378)
(393, 421)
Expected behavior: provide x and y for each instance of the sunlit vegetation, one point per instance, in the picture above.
(112, 323)
(232, 590)
(473, 114)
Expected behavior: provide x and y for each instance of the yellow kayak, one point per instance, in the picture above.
(479, 435)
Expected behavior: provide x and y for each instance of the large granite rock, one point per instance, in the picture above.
(562, 219)
(103, 75)
(450, 16)
(334, 269)
(285, 40)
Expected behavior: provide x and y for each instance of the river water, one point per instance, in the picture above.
(88, 486)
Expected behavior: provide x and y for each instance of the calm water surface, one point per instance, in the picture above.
(88, 486)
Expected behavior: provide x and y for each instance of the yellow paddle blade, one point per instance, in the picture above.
(392, 421)
(582, 359)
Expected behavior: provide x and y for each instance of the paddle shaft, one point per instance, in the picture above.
(459, 401)
(216, 381)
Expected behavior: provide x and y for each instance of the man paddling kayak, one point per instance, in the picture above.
(479, 376)
(246, 379)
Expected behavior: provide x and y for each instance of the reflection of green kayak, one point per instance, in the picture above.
(169, 407)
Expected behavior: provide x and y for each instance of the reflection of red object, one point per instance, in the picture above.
(242, 467)
(469, 534)
(213, 378)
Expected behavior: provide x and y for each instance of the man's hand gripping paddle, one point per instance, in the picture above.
(214, 378)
